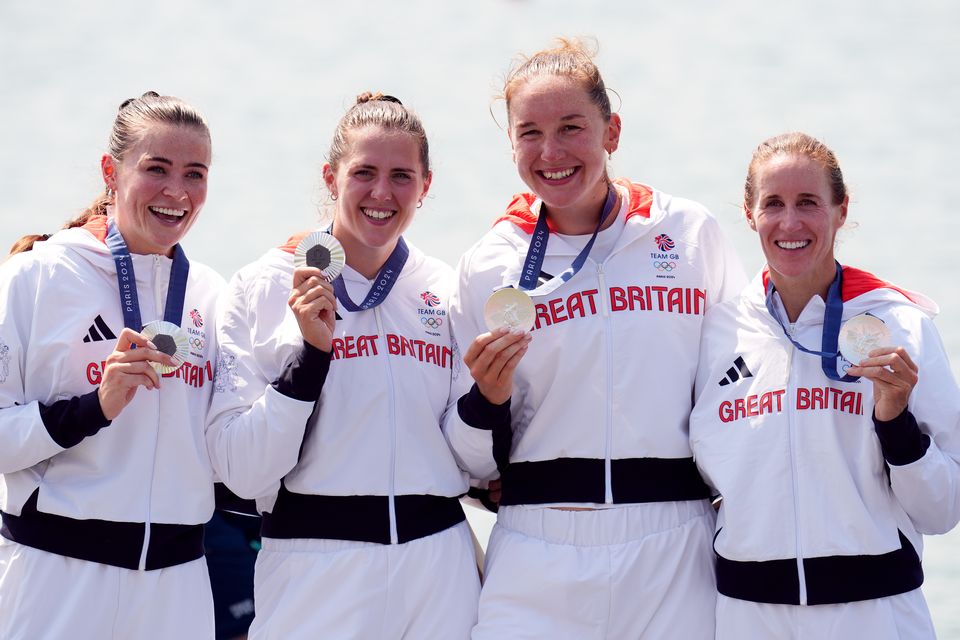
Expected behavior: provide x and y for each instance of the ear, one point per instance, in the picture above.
(108, 169)
(426, 185)
(612, 140)
(843, 210)
(749, 216)
(329, 178)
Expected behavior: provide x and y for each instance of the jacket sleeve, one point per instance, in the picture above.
(922, 447)
(470, 422)
(25, 439)
(262, 399)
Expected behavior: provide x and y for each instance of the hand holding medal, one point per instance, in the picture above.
(865, 340)
(318, 260)
(493, 357)
(135, 362)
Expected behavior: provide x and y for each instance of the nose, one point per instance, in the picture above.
(380, 189)
(790, 220)
(175, 188)
(552, 150)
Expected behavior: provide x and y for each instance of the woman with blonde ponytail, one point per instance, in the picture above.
(331, 390)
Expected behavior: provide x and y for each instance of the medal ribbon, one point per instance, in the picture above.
(129, 302)
(832, 315)
(538, 249)
(382, 285)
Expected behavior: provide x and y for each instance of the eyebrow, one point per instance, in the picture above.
(572, 116)
(374, 167)
(163, 160)
(799, 195)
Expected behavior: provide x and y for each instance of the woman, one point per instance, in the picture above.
(604, 526)
(329, 404)
(98, 451)
(831, 466)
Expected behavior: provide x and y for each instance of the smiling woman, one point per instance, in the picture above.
(101, 429)
(583, 410)
(330, 415)
(829, 481)
(160, 184)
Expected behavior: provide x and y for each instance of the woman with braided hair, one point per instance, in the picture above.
(105, 481)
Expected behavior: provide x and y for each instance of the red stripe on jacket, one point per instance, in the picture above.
(519, 212)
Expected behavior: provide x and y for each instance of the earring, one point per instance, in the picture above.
(419, 203)
(609, 155)
(333, 197)
(109, 192)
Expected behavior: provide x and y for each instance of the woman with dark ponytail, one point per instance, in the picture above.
(330, 392)
(105, 376)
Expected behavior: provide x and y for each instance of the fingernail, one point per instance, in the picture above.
(151, 345)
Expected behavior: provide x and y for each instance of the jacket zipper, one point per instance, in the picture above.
(608, 431)
(792, 428)
(391, 498)
(157, 304)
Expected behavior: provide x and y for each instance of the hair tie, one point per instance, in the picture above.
(386, 98)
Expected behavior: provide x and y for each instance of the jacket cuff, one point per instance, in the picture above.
(483, 496)
(901, 440)
(303, 378)
(480, 413)
(70, 421)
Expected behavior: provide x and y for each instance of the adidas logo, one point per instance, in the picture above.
(99, 331)
(737, 371)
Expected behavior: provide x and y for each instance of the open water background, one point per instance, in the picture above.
(700, 84)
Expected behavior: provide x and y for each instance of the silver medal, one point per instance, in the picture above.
(511, 308)
(323, 251)
(860, 335)
(171, 340)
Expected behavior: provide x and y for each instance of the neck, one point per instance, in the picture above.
(581, 219)
(365, 260)
(796, 292)
(135, 246)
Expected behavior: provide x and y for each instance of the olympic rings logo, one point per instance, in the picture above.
(431, 322)
(665, 266)
(197, 343)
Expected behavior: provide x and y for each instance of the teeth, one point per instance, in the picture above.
(557, 175)
(178, 213)
(796, 244)
(378, 214)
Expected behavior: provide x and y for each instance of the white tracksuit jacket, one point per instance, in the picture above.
(819, 504)
(132, 493)
(372, 452)
(602, 397)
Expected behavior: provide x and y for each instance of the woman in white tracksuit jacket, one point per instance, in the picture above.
(104, 485)
(829, 481)
(604, 525)
(328, 410)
